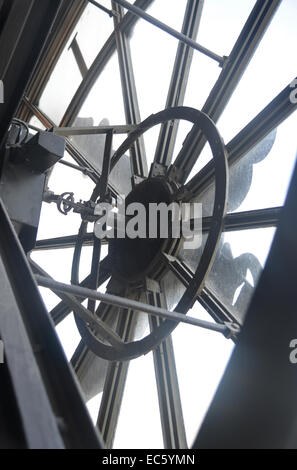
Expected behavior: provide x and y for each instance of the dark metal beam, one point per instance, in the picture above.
(115, 382)
(253, 219)
(131, 106)
(237, 62)
(172, 421)
(64, 397)
(179, 81)
(102, 8)
(22, 38)
(68, 16)
(74, 46)
(255, 403)
(181, 37)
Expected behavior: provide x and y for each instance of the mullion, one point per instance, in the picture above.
(173, 428)
(279, 109)
(114, 386)
(179, 81)
(247, 220)
(102, 8)
(79, 58)
(228, 80)
(138, 156)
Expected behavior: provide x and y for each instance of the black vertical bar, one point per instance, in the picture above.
(139, 163)
(179, 81)
(79, 57)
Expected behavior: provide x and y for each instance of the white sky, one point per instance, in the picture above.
(201, 356)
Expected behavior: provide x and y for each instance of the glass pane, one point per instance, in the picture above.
(153, 53)
(69, 341)
(206, 353)
(93, 406)
(94, 28)
(61, 87)
(269, 72)
(220, 26)
(63, 179)
(237, 267)
(104, 106)
(173, 289)
(139, 425)
(262, 177)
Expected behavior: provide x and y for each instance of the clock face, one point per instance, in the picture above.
(151, 118)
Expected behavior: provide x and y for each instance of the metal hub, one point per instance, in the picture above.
(134, 259)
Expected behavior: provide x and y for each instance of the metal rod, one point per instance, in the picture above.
(93, 130)
(78, 57)
(128, 303)
(82, 169)
(61, 310)
(74, 152)
(182, 37)
(101, 7)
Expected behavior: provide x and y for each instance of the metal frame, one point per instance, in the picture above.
(279, 109)
(25, 327)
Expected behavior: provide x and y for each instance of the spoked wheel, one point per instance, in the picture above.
(134, 263)
(161, 273)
